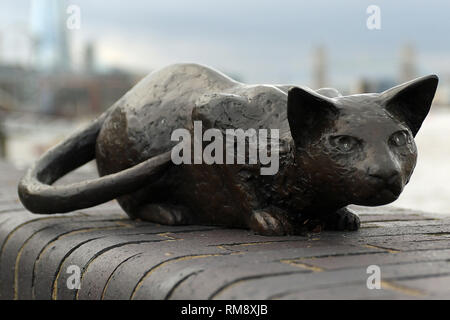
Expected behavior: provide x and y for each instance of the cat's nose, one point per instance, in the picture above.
(388, 177)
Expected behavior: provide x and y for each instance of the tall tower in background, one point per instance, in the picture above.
(319, 67)
(89, 58)
(1, 47)
(407, 63)
(49, 33)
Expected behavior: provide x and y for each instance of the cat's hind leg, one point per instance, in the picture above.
(342, 219)
(163, 213)
(270, 222)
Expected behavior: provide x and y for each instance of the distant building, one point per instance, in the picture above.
(372, 85)
(319, 67)
(49, 35)
(50, 85)
(17, 84)
(407, 63)
(61, 94)
(74, 95)
(89, 58)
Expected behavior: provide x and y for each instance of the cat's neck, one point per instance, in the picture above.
(293, 189)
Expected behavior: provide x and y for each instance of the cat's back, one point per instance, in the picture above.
(181, 82)
(142, 121)
(163, 101)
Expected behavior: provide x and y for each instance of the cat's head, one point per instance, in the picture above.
(359, 149)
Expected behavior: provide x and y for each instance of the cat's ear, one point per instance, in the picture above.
(411, 101)
(308, 113)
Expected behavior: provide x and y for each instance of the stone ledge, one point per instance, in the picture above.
(123, 259)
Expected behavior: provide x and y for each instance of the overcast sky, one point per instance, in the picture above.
(263, 41)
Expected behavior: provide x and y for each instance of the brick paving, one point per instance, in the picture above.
(123, 259)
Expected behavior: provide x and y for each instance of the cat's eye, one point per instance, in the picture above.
(400, 139)
(344, 144)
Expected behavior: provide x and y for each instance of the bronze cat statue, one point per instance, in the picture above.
(334, 151)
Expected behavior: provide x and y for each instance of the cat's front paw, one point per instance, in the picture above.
(343, 219)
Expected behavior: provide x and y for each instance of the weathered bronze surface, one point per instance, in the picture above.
(334, 151)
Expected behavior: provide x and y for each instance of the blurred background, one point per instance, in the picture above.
(63, 62)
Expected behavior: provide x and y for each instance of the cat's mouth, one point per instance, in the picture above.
(382, 197)
(390, 193)
(381, 193)
(392, 185)
(395, 189)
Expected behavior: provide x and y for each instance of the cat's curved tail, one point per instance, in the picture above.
(39, 196)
